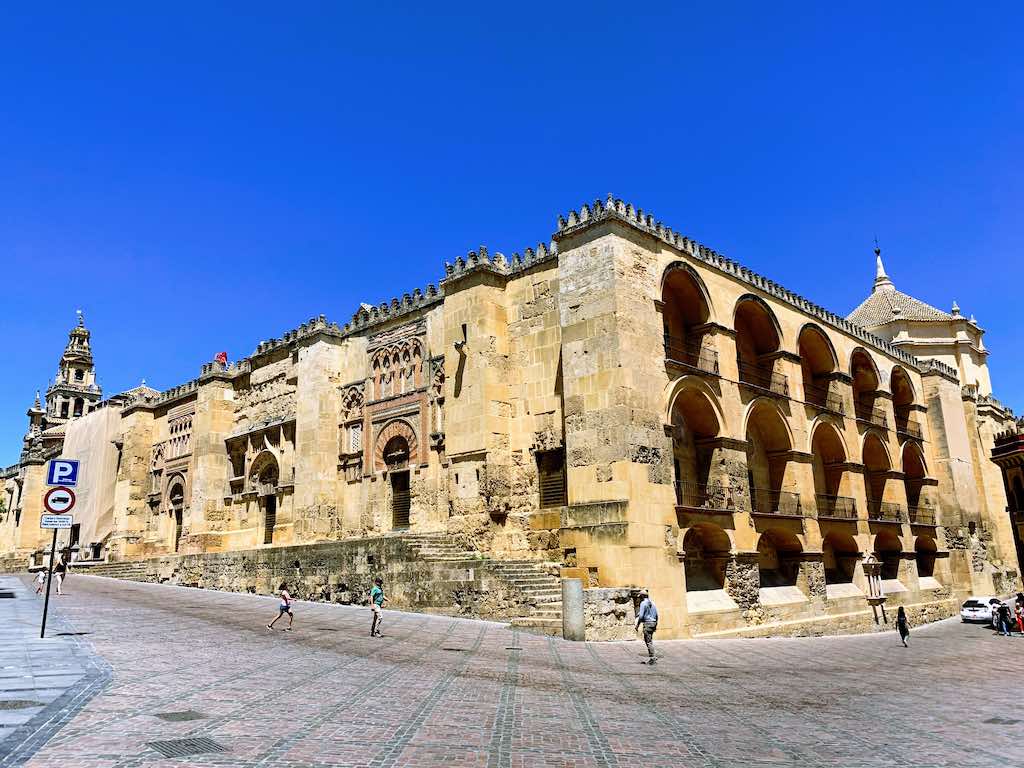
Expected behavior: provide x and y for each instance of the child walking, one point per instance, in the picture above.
(903, 626)
(377, 600)
(285, 607)
(40, 582)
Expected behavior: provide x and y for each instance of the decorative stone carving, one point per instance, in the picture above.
(395, 428)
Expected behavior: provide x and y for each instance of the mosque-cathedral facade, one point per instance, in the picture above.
(620, 405)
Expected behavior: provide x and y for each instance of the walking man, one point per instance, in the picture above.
(1004, 619)
(648, 616)
(377, 600)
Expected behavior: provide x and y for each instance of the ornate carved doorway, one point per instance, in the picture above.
(396, 456)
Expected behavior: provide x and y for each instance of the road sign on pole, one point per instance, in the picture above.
(62, 472)
(57, 522)
(59, 500)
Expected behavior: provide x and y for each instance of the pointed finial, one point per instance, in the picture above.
(956, 308)
(81, 320)
(143, 383)
(38, 404)
(882, 281)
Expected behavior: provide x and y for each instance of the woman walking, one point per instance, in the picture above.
(284, 608)
(903, 626)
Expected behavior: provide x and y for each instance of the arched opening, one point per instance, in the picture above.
(694, 423)
(888, 551)
(913, 482)
(685, 314)
(817, 364)
(757, 342)
(396, 457)
(865, 388)
(176, 497)
(924, 555)
(64, 409)
(768, 447)
(902, 403)
(829, 467)
(876, 474)
(79, 406)
(778, 558)
(705, 555)
(264, 476)
(841, 555)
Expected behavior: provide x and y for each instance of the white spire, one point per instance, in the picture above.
(882, 281)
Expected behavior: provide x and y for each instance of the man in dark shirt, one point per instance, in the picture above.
(1004, 619)
(648, 616)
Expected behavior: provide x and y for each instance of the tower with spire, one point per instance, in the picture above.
(74, 392)
(923, 330)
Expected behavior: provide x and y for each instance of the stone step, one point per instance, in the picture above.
(546, 599)
(539, 626)
(547, 613)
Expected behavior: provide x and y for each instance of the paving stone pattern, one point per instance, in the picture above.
(437, 691)
(43, 681)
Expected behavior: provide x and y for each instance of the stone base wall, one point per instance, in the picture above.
(341, 572)
(855, 622)
(610, 614)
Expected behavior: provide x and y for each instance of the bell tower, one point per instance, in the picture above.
(74, 392)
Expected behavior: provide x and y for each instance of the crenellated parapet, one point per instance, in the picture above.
(613, 209)
(368, 316)
(928, 365)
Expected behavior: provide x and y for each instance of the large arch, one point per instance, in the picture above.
(877, 465)
(889, 552)
(903, 399)
(685, 311)
(778, 558)
(829, 468)
(706, 552)
(818, 361)
(924, 555)
(866, 383)
(758, 338)
(769, 442)
(695, 419)
(914, 475)
(840, 554)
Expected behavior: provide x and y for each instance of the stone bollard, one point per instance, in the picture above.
(573, 625)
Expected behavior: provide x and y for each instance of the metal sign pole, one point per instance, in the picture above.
(49, 580)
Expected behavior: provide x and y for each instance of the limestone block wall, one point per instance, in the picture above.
(342, 572)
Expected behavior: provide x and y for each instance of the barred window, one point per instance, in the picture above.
(551, 478)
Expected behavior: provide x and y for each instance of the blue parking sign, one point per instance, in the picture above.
(62, 472)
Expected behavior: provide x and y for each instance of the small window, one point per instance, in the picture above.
(79, 374)
(551, 478)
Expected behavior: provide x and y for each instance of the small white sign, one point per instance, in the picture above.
(62, 472)
(57, 501)
(60, 522)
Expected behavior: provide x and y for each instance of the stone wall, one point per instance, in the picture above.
(341, 572)
(610, 614)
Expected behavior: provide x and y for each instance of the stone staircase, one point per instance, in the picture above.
(533, 578)
(130, 570)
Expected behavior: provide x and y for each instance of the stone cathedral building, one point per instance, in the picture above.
(621, 405)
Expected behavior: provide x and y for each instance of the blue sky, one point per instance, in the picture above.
(203, 176)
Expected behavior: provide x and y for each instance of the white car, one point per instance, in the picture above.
(978, 608)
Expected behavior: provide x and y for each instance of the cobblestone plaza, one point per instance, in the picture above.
(454, 692)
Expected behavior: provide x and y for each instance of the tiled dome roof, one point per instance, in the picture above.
(886, 304)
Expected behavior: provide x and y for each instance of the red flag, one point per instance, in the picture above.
(222, 358)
